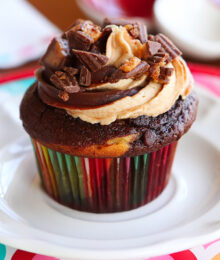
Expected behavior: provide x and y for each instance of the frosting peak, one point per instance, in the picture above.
(120, 46)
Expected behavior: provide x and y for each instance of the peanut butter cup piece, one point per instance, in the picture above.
(82, 35)
(57, 55)
(103, 74)
(65, 82)
(142, 32)
(92, 61)
(164, 75)
(152, 48)
(138, 31)
(137, 72)
(79, 40)
(85, 77)
(168, 46)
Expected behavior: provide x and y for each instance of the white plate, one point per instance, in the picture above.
(185, 215)
(192, 25)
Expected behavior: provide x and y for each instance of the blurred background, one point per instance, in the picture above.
(27, 26)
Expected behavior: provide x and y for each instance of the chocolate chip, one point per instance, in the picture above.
(168, 46)
(79, 40)
(152, 48)
(164, 75)
(85, 77)
(137, 72)
(92, 61)
(150, 137)
(57, 55)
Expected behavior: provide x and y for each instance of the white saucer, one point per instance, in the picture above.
(185, 215)
(192, 25)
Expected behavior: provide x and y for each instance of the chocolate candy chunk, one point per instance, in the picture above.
(103, 74)
(71, 71)
(152, 48)
(159, 59)
(156, 61)
(150, 137)
(91, 60)
(117, 21)
(138, 30)
(142, 32)
(164, 75)
(154, 72)
(135, 28)
(65, 82)
(168, 46)
(85, 77)
(100, 45)
(137, 72)
(79, 40)
(57, 55)
(82, 35)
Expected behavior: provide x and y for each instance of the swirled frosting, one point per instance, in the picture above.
(132, 75)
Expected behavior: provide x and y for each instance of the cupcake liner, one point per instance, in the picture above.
(104, 184)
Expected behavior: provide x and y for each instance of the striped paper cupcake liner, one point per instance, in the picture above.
(104, 184)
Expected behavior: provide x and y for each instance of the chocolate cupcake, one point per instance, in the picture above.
(105, 115)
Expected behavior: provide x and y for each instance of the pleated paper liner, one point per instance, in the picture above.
(104, 184)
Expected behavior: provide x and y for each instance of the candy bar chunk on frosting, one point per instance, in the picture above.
(91, 60)
(168, 46)
(57, 55)
(82, 35)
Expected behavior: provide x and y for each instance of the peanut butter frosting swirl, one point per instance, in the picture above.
(114, 72)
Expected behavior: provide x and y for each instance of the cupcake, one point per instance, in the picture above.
(105, 113)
